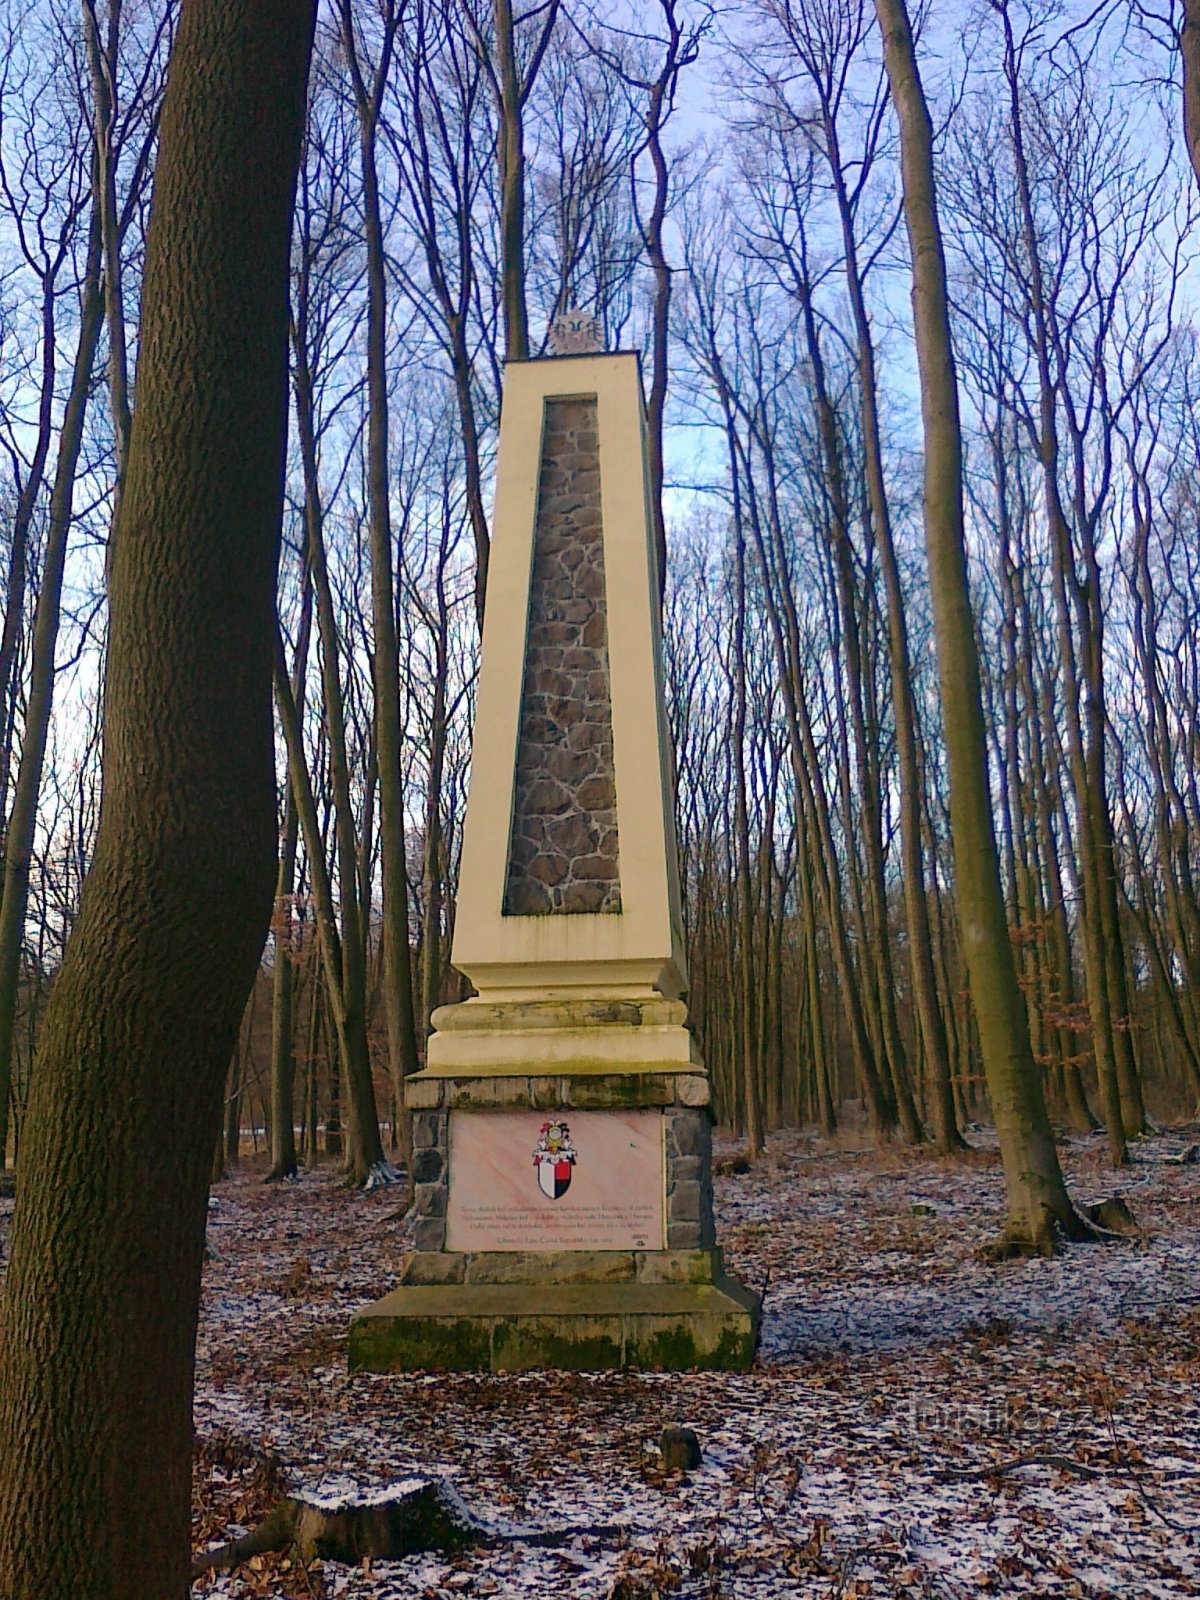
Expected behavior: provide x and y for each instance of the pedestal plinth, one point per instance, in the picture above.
(564, 1218)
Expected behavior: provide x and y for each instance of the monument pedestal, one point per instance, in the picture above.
(562, 1135)
(613, 1263)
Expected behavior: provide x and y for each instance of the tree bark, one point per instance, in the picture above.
(97, 1344)
(1039, 1208)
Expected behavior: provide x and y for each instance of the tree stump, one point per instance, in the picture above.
(419, 1514)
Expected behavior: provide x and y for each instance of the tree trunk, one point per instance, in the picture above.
(397, 982)
(102, 69)
(1189, 50)
(22, 823)
(27, 500)
(510, 142)
(744, 963)
(1039, 1207)
(349, 997)
(347, 1005)
(97, 1344)
(283, 989)
(934, 1046)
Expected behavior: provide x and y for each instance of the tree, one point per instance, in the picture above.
(1039, 1208)
(97, 1343)
(1189, 49)
(369, 91)
(680, 44)
(512, 89)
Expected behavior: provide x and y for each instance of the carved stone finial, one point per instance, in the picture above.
(576, 333)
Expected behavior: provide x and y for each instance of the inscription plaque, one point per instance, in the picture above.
(548, 1180)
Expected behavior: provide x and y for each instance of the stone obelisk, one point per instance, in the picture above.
(561, 1127)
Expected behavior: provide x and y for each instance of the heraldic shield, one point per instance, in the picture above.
(553, 1159)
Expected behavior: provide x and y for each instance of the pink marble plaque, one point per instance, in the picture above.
(540, 1180)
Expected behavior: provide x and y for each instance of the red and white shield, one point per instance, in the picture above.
(554, 1178)
(553, 1157)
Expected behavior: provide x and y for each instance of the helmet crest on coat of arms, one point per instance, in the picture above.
(553, 1159)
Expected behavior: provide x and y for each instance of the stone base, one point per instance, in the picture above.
(497, 1303)
(512, 1327)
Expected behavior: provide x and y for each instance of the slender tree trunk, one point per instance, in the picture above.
(1039, 1208)
(660, 326)
(743, 922)
(22, 822)
(939, 1095)
(1086, 758)
(102, 68)
(101, 1300)
(27, 499)
(397, 986)
(347, 999)
(510, 139)
(283, 1024)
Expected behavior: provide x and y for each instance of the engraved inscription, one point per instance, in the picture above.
(500, 1198)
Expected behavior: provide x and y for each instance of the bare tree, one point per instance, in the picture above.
(103, 1288)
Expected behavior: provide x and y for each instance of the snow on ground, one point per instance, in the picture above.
(892, 1359)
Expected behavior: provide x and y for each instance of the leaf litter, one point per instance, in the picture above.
(919, 1423)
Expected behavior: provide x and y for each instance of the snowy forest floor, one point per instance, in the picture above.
(891, 1360)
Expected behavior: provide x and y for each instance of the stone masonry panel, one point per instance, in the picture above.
(563, 853)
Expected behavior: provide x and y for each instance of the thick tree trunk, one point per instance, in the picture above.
(1039, 1207)
(97, 1344)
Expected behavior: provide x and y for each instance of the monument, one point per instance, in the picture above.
(562, 1147)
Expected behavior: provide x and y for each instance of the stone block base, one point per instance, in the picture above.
(513, 1327)
(627, 1273)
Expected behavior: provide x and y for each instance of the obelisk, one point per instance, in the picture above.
(562, 1151)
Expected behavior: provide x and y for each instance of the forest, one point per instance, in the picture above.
(913, 288)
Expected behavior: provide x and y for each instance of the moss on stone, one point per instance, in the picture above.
(576, 1327)
(568, 1344)
(402, 1344)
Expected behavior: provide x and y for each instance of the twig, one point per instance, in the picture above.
(1001, 1468)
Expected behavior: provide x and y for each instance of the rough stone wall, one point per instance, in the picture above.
(430, 1155)
(563, 854)
(690, 1223)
